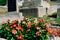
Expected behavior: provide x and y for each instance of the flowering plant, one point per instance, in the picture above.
(27, 29)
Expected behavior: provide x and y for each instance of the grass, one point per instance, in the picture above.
(52, 19)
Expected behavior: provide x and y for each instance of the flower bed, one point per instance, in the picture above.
(27, 29)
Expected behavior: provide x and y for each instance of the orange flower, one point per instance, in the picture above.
(22, 29)
(6, 28)
(14, 31)
(37, 33)
(29, 24)
(20, 37)
(18, 28)
(48, 29)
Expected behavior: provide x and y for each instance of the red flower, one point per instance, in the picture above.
(39, 20)
(37, 33)
(6, 28)
(11, 26)
(29, 24)
(14, 32)
(14, 25)
(54, 32)
(20, 37)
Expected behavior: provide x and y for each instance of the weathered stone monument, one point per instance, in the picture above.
(36, 8)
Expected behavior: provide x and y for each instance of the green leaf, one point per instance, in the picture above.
(12, 38)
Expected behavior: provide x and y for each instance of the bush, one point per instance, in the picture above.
(27, 29)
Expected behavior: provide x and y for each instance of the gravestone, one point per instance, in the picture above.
(11, 5)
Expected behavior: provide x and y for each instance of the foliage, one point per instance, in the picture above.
(28, 29)
(2, 2)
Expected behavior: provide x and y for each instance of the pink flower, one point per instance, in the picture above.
(3, 22)
(14, 25)
(8, 20)
(14, 31)
(29, 24)
(38, 28)
(37, 33)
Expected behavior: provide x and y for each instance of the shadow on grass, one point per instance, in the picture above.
(54, 15)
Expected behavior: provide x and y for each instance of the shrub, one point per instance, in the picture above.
(26, 29)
